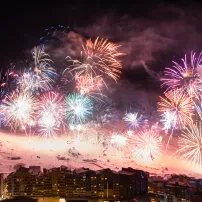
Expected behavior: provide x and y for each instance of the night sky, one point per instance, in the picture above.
(150, 32)
(23, 23)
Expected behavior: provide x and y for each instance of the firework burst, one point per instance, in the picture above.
(147, 144)
(118, 140)
(50, 114)
(18, 110)
(33, 83)
(184, 76)
(77, 108)
(179, 104)
(7, 81)
(168, 120)
(98, 58)
(133, 120)
(87, 85)
(43, 64)
(190, 143)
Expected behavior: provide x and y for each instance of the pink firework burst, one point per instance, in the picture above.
(147, 145)
(186, 76)
(86, 84)
(50, 114)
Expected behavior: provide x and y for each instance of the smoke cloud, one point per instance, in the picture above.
(144, 39)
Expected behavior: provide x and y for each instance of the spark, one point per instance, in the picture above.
(77, 108)
(132, 120)
(50, 114)
(147, 144)
(190, 145)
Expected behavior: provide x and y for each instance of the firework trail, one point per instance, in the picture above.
(147, 144)
(50, 114)
(77, 108)
(18, 110)
(190, 145)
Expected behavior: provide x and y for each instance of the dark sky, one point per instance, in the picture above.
(23, 23)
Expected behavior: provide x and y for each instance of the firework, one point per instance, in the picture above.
(168, 120)
(53, 32)
(77, 108)
(184, 76)
(33, 83)
(43, 64)
(86, 84)
(78, 127)
(130, 132)
(50, 114)
(118, 140)
(147, 144)
(179, 104)
(8, 79)
(18, 110)
(190, 143)
(132, 120)
(98, 58)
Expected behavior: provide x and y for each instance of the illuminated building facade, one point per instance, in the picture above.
(102, 185)
(108, 184)
(175, 189)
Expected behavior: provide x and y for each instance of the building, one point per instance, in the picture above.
(132, 183)
(108, 184)
(20, 183)
(174, 189)
(1, 184)
(62, 184)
